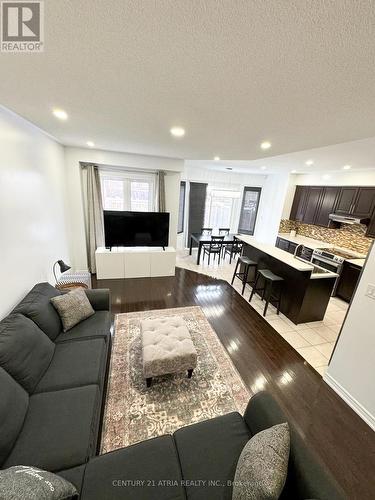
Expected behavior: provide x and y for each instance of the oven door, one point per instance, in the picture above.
(325, 264)
(330, 266)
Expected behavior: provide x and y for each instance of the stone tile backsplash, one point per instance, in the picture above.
(348, 236)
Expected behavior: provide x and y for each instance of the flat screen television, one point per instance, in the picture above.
(136, 229)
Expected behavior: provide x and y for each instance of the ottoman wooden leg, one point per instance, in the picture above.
(190, 373)
(148, 381)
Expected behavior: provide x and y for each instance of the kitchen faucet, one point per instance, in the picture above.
(296, 249)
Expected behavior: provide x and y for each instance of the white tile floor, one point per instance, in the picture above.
(314, 341)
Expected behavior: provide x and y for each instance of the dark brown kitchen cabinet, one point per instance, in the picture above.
(348, 281)
(299, 203)
(364, 202)
(282, 244)
(327, 205)
(313, 198)
(370, 233)
(346, 199)
(356, 201)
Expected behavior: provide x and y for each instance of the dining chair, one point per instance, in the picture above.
(224, 231)
(233, 249)
(206, 231)
(214, 247)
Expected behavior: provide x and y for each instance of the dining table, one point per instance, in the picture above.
(205, 239)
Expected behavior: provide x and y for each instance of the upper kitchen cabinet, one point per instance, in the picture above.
(346, 199)
(313, 200)
(327, 205)
(365, 202)
(299, 203)
(356, 201)
(313, 204)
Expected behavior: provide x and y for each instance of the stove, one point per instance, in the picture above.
(334, 253)
(332, 259)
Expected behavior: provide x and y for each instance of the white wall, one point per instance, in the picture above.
(271, 207)
(351, 371)
(73, 156)
(351, 178)
(32, 208)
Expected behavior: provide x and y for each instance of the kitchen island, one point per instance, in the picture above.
(306, 288)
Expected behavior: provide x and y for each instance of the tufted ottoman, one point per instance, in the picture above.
(167, 347)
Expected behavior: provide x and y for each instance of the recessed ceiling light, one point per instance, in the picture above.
(60, 114)
(265, 145)
(347, 167)
(228, 168)
(90, 144)
(177, 131)
(217, 158)
(309, 163)
(293, 172)
(263, 168)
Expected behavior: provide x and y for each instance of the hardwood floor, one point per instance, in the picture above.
(266, 361)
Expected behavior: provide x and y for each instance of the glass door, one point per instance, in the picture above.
(249, 210)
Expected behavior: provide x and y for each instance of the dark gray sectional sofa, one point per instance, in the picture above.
(52, 383)
(52, 387)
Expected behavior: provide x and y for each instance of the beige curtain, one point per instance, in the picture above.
(94, 215)
(161, 190)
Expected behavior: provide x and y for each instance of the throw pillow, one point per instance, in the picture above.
(263, 465)
(73, 307)
(30, 483)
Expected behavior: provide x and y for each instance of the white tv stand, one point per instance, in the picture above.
(134, 262)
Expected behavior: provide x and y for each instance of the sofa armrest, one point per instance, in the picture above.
(263, 412)
(307, 476)
(100, 299)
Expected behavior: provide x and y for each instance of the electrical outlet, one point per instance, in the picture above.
(370, 291)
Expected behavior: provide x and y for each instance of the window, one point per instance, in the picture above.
(249, 210)
(130, 191)
(220, 208)
(181, 208)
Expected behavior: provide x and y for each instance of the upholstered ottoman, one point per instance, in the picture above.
(167, 347)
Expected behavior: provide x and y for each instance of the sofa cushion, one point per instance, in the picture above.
(263, 465)
(14, 401)
(73, 307)
(74, 475)
(98, 325)
(148, 470)
(30, 483)
(25, 351)
(37, 306)
(209, 451)
(75, 364)
(60, 429)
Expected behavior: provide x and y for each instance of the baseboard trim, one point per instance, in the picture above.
(352, 402)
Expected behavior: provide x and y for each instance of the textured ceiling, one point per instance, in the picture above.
(232, 72)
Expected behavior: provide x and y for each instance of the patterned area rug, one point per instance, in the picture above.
(134, 413)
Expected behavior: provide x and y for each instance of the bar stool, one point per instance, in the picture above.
(270, 279)
(242, 275)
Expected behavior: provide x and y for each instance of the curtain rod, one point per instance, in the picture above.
(118, 168)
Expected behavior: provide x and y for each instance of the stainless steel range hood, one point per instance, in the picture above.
(347, 219)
